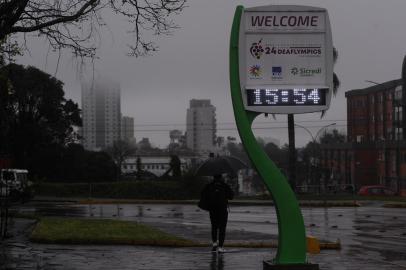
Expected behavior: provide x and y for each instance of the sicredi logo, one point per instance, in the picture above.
(305, 72)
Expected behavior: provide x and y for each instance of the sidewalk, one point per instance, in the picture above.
(202, 234)
(18, 253)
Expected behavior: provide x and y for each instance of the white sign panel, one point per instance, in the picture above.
(286, 59)
(281, 59)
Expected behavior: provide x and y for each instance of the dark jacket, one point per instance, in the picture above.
(218, 193)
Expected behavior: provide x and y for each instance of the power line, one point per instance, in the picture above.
(217, 129)
(233, 123)
(229, 129)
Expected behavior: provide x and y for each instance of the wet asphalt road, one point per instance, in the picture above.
(372, 237)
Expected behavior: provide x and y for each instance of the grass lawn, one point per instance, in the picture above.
(100, 231)
(115, 232)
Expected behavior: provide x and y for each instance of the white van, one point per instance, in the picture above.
(13, 181)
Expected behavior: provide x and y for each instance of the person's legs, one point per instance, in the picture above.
(223, 217)
(214, 226)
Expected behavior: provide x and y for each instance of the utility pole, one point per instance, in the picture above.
(292, 151)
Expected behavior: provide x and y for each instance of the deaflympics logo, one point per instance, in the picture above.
(255, 70)
(256, 49)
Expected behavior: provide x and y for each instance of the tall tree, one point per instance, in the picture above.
(74, 24)
(119, 152)
(277, 155)
(175, 165)
(34, 113)
(334, 136)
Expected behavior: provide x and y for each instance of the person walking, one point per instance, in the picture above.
(217, 194)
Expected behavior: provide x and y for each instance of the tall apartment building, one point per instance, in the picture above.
(201, 126)
(127, 129)
(101, 114)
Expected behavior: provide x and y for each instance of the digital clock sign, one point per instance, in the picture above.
(285, 59)
(286, 97)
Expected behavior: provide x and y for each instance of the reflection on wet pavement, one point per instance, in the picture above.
(372, 237)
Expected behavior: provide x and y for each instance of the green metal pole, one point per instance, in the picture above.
(292, 235)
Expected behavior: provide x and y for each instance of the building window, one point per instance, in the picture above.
(380, 97)
(381, 156)
(398, 92)
(399, 133)
(360, 138)
(398, 113)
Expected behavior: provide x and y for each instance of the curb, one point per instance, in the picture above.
(394, 205)
(236, 203)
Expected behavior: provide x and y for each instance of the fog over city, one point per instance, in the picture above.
(193, 63)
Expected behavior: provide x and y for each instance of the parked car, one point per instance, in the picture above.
(376, 190)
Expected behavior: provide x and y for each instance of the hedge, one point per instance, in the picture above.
(145, 189)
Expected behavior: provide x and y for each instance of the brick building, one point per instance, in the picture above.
(375, 151)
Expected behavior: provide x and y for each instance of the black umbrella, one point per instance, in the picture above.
(220, 165)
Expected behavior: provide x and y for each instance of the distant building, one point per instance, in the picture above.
(144, 144)
(127, 129)
(158, 164)
(101, 114)
(201, 126)
(175, 136)
(177, 141)
(376, 149)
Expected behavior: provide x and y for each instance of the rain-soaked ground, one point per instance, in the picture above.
(372, 237)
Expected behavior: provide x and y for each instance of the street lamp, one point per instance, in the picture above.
(314, 140)
(372, 82)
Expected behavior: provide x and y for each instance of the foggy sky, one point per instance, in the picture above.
(370, 37)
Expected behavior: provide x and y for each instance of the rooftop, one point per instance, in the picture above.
(374, 89)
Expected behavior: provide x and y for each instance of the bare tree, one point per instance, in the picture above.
(74, 24)
(119, 152)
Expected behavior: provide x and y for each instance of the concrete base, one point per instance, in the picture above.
(268, 265)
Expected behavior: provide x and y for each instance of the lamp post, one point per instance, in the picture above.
(372, 82)
(314, 140)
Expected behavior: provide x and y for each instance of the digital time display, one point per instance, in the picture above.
(287, 97)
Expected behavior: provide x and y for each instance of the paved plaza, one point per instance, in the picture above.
(372, 237)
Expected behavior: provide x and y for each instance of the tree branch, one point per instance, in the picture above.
(61, 19)
(71, 23)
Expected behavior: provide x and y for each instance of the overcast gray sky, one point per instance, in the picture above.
(369, 35)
